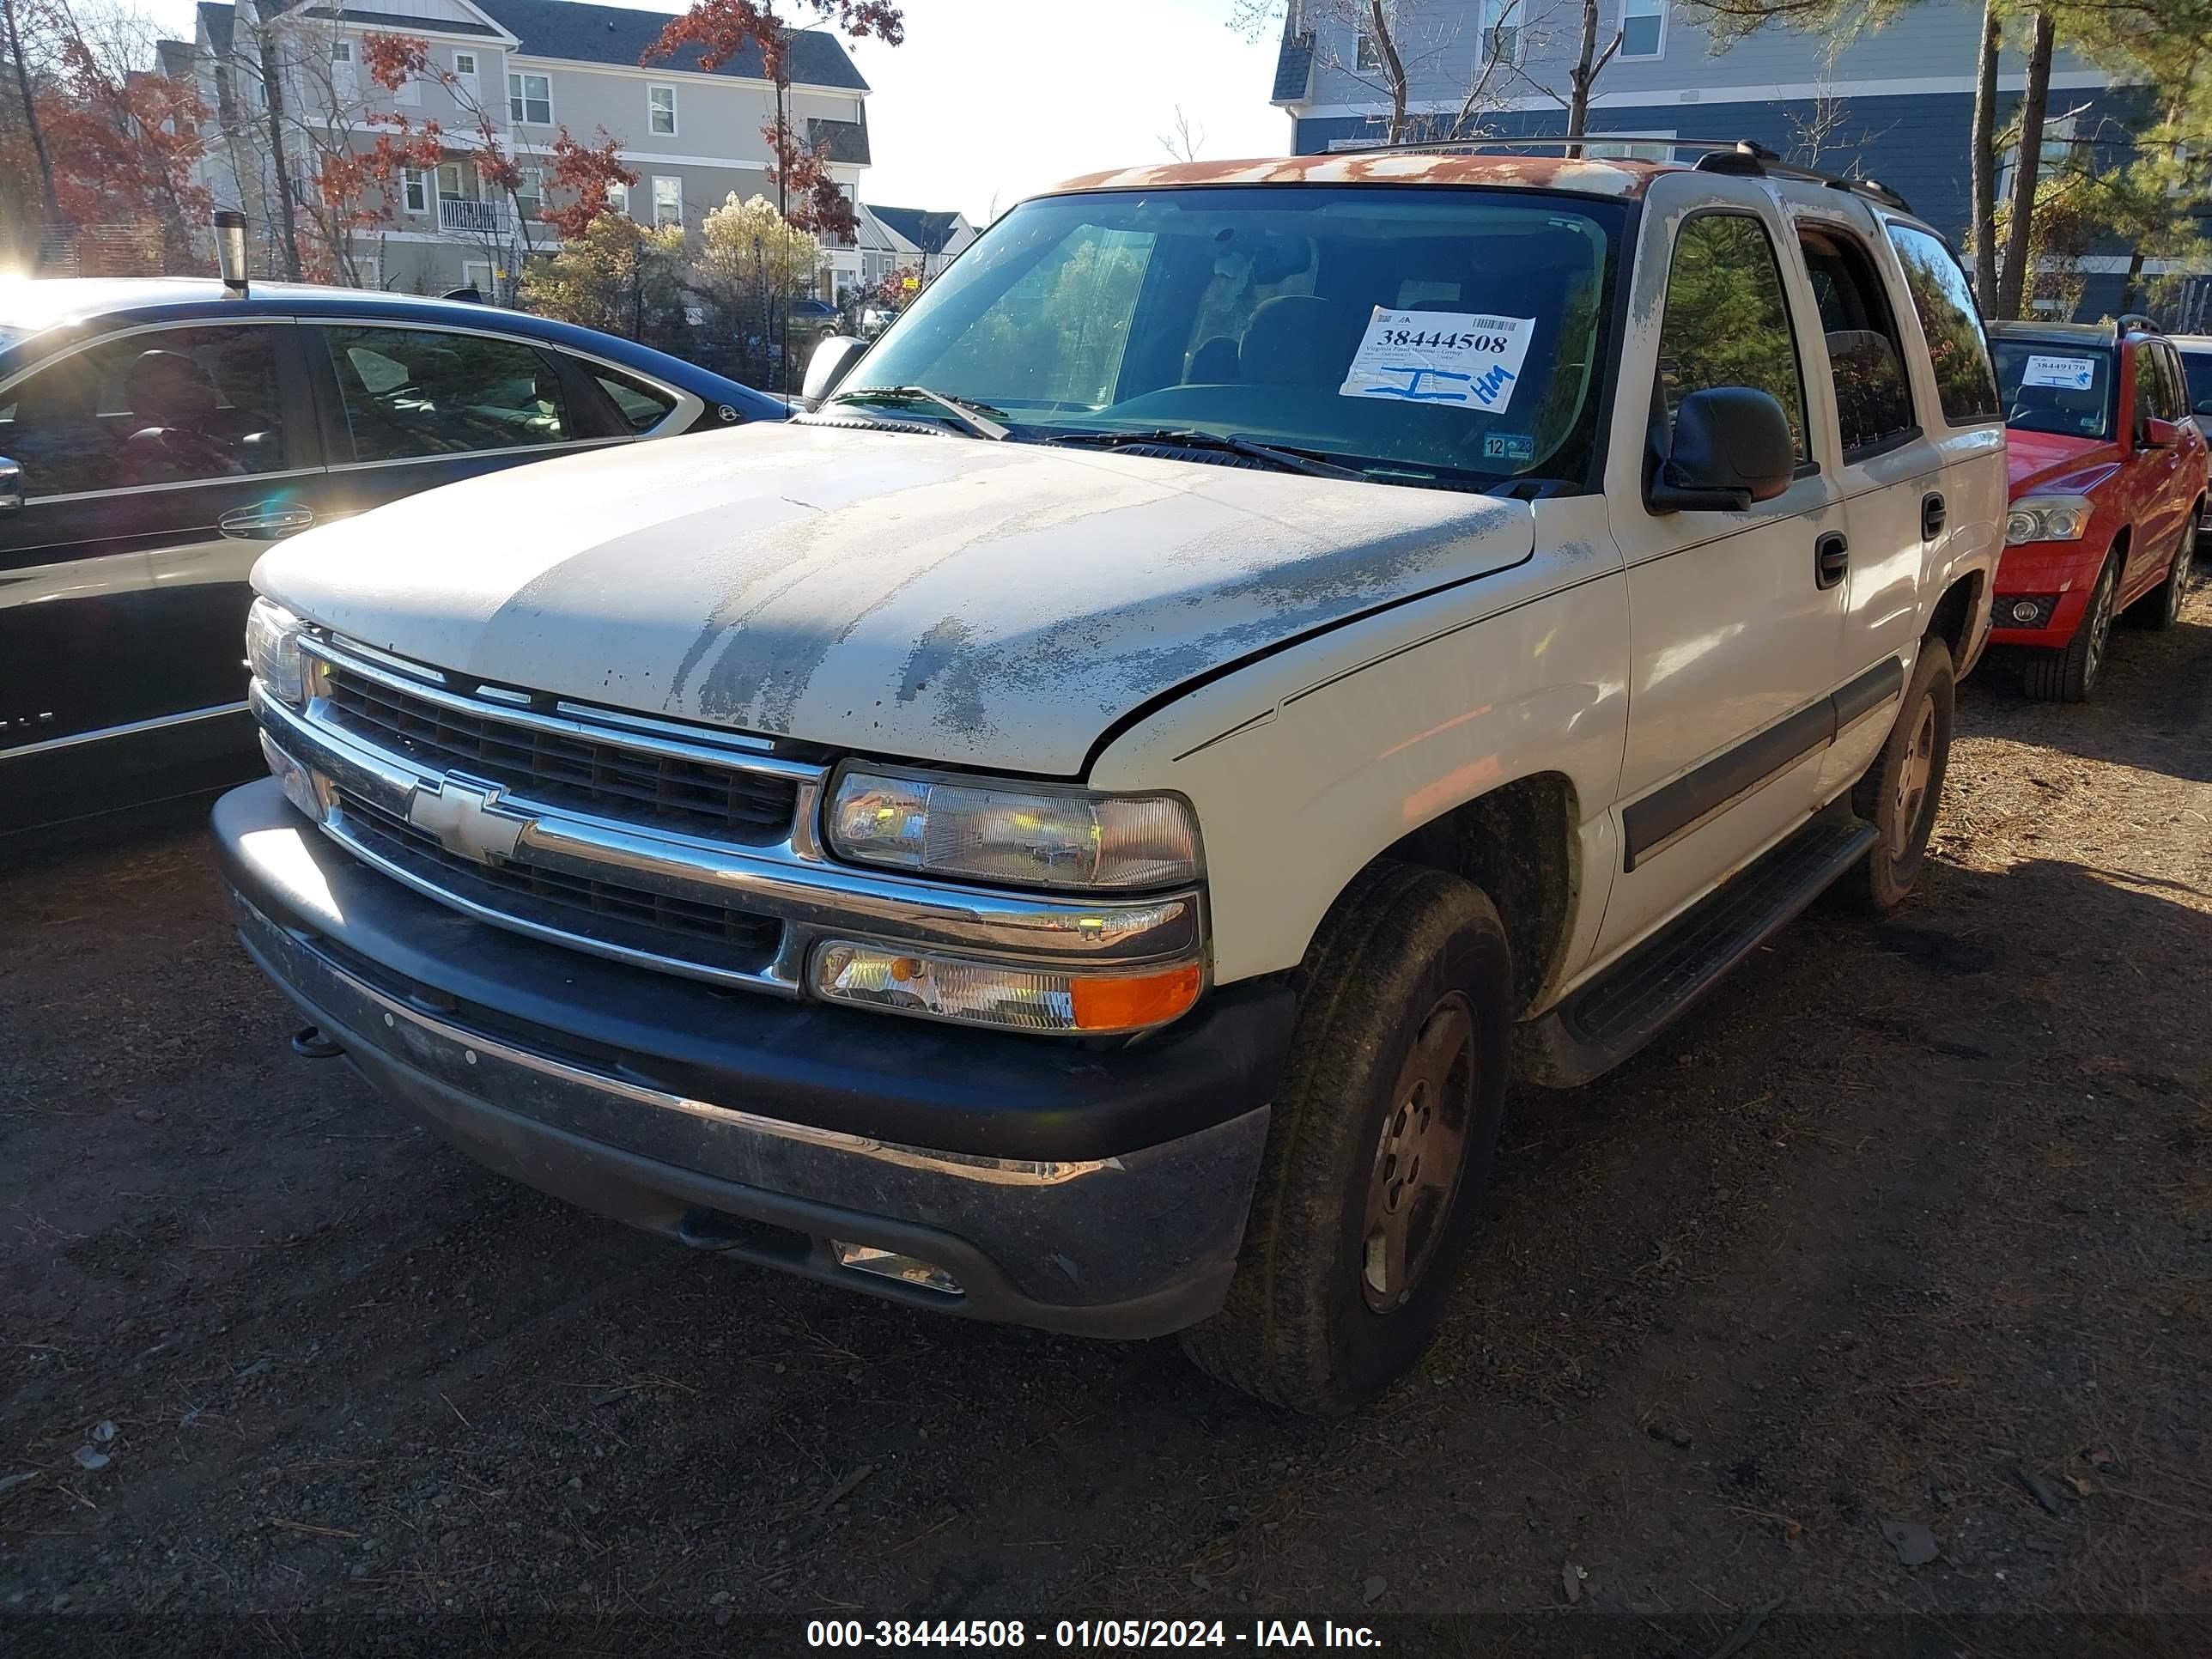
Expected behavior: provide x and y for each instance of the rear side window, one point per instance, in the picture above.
(643, 406)
(169, 406)
(413, 393)
(1873, 400)
(1726, 322)
(2172, 403)
(1965, 385)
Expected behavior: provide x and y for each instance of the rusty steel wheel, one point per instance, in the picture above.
(1383, 1129)
(1902, 792)
(1418, 1155)
(1912, 779)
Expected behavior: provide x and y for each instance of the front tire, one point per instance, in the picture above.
(2069, 675)
(1903, 790)
(1383, 1133)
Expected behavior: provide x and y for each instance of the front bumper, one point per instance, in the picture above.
(2040, 569)
(1095, 1190)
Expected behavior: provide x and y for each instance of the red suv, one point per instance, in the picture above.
(2108, 479)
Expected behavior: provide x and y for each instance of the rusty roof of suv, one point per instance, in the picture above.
(1621, 176)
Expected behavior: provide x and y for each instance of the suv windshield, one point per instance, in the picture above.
(2054, 386)
(1417, 335)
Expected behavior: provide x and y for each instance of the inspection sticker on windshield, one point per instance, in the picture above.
(1439, 357)
(2072, 374)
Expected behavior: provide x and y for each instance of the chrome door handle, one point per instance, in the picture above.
(264, 521)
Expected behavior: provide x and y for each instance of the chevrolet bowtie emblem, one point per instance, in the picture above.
(467, 819)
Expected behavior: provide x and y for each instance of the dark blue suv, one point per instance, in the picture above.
(155, 434)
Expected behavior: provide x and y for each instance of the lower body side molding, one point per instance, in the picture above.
(1610, 1018)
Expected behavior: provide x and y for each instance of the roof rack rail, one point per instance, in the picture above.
(1751, 158)
(1742, 157)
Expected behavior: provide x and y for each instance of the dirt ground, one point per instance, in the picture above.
(1910, 1227)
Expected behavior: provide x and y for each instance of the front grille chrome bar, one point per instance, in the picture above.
(790, 883)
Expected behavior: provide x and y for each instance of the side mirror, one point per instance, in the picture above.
(2204, 406)
(832, 360)
(11, 487)
(2160, 434)
(1732, 448)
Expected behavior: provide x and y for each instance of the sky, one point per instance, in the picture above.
(990, 101)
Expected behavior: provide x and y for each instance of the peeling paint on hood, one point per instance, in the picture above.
(936, 597)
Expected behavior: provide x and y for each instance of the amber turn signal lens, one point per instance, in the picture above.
(1116, 1005)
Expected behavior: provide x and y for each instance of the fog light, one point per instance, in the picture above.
(989, 993)
(889, 1264)
(294, 779)
(2025, 612)
(2032, 610)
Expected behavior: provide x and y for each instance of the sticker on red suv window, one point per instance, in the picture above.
(1456, 357)
(2068, 374)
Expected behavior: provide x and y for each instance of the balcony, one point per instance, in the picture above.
(466, 218)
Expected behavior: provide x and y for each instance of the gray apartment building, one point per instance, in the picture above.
(1893, 104)
(529, 68)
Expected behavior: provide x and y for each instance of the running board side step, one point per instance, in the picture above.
(1608, 1020)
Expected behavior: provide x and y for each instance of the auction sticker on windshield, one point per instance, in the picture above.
(2069, 374)
(1439, 357)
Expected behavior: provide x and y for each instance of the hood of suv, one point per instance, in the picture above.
(936, 597)
(2052, 463)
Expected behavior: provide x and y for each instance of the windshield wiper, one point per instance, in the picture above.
(975, 417)
(1286, 460)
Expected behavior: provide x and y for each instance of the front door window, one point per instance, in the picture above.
(173, 406)
(1727, 321)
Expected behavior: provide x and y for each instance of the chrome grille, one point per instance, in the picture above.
(610, 912)
(559, 769)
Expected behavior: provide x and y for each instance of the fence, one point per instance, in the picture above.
(122, 249)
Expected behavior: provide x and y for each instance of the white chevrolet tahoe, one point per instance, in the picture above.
(1080, 828)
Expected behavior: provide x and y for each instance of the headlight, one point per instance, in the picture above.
(2047, 519)
(1024, 837)
(272, 651)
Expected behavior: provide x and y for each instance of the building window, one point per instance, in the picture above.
(2058, 151)
(1367, 55)
(530, 100)
(342, 75)
(417, 184)
(1629, 150)
(1643, 28)
(1501, 39)
(464, 69)
(530, 191)
(660, 111)
(668, 202)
